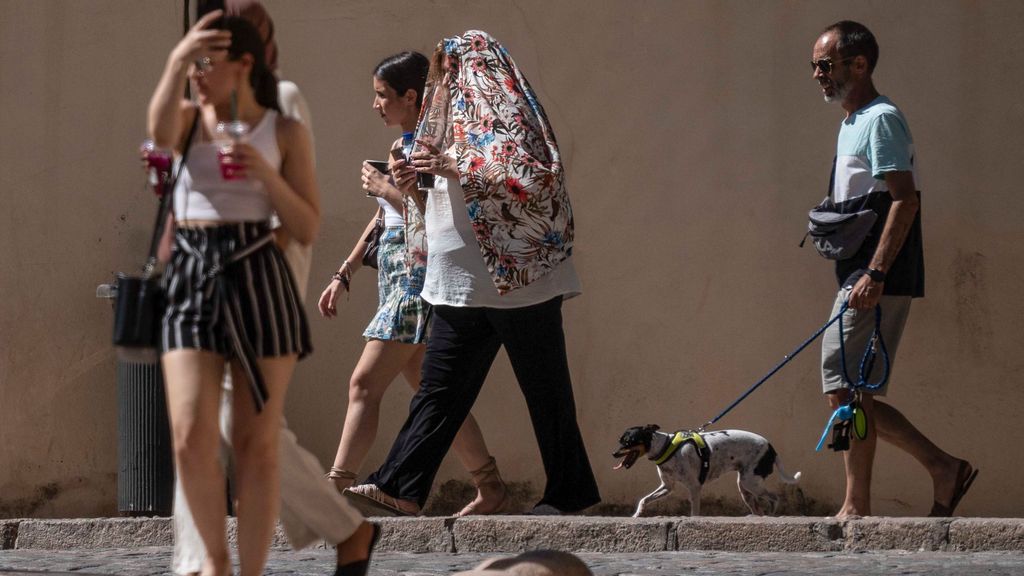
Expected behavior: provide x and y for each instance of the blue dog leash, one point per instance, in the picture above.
(785, 360)
(851, 409)
(866, 362)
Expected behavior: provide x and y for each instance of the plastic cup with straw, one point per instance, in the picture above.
(230, 133)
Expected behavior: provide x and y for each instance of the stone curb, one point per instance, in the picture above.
(95, 533)
(8, 533)
(511, 534)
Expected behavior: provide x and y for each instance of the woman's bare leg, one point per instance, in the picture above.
(193, 380)
(255, 438)
(377, 368)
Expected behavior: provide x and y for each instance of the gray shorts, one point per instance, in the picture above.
(857, 328)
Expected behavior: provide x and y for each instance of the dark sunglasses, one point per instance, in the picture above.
(826, 64)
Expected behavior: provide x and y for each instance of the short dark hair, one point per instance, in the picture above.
(854, 39)
(403, 72)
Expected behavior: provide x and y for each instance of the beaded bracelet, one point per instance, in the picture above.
(342, 277)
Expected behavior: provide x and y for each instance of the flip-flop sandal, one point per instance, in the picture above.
(940, 511)
(374, 503)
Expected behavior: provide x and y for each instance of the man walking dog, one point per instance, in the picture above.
(874, 170)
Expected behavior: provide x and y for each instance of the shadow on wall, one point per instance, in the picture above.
(51, 499)
(25, 507)
(452, 495)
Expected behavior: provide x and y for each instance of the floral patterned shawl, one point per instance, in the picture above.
(508, 160)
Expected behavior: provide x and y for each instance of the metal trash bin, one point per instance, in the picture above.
(145, 469)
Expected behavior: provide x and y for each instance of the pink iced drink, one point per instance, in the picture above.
(229, 133)
(158, 165)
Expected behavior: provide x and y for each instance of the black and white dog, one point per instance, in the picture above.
(691, 459)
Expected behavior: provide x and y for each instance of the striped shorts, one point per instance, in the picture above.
(229, 291)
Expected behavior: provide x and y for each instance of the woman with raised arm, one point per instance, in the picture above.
(231, 298)
(310, 511)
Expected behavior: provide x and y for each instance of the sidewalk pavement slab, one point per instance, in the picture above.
(8, 533)
(911, 534)
(758, 534)
(577, 533)
(968, 534)
(153, 561)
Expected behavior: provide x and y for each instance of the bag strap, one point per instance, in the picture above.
(166, 199)
(832, 179)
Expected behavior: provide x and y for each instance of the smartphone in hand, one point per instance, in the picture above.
(380, 165)
(423, 180)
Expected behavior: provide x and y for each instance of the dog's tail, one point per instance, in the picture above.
(782, 471)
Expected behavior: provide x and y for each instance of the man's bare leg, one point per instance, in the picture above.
(859, 461)
(893, 427)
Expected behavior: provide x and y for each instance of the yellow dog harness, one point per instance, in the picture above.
(678, 440)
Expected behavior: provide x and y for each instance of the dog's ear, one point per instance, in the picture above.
(652, 427)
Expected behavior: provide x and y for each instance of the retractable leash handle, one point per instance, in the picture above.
(843, 413)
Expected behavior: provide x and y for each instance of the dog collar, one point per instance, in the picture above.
(678, 440)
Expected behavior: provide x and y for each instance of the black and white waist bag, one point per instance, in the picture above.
(837, 235)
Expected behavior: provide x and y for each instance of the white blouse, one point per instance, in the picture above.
(456, 272)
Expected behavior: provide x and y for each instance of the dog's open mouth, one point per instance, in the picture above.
(629, 459)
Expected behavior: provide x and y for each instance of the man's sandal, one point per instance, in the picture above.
(965, 476)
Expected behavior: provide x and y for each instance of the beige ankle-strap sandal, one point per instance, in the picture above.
(341, 478)
(488, 476)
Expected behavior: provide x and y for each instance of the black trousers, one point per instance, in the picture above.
(462, 345)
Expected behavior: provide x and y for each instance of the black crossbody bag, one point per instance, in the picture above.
(371, 256)
(140, 297)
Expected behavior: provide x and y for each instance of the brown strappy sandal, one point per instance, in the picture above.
(487, 477)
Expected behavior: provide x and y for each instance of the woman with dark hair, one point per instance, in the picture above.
(395, 338)
(231, 299)
(311, 511)
(499, 226)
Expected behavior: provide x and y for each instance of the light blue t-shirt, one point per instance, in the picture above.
(872, 141)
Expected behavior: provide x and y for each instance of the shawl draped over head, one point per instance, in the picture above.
(507, 157)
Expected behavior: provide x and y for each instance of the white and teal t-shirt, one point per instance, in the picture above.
(873, 141)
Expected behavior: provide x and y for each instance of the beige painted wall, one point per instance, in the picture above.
(695, 141)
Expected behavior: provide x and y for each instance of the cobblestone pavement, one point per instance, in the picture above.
(154, 561)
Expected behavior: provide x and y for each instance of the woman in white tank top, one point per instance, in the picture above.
(231, 296)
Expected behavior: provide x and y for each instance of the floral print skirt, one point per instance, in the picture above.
(402, 316)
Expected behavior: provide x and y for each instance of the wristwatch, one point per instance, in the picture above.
(876, 275)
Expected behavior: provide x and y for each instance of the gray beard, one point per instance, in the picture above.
(841, 90)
